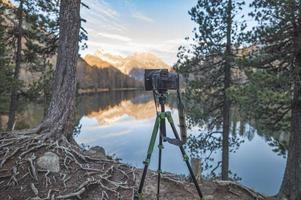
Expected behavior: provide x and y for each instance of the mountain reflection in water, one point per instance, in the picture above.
(122, 123)
(113, 114)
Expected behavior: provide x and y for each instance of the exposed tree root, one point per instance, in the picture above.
(73, 194)
(256, 195)
(112, 179)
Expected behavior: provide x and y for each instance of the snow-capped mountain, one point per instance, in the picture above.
(116, 60)
(132, 65)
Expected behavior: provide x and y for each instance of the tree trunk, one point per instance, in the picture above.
(226, 104)
(58, 120)
(291, 184)
(14, 90)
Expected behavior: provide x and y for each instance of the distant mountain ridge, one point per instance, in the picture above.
(90, 76)
(96, 61)
(132, 65)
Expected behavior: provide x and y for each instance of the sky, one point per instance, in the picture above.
(124, 27)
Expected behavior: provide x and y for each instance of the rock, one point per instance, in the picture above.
(97, 152)
(49, 161)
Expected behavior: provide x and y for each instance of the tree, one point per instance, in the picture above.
(5, 68)
(41, 48)
(211, 59)
(57, 121)
(278, 57)
(31, 34)
(19, 35)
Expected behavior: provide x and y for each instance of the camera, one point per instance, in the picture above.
(160, 80)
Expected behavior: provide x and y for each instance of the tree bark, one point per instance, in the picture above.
(14, 90)
(291, 184)
(226, 103)
(58, 120)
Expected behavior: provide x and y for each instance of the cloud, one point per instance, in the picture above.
(101, 7)
(141, 16)
(101, 15)
(115, 37)
(106, 10)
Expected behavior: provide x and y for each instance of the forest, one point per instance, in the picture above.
(240, 77)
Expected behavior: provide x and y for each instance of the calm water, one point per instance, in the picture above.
(124, 128)
(122, 122)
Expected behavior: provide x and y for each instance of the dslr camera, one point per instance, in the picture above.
(160, 80)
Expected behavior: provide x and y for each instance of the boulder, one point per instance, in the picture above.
(49, 161)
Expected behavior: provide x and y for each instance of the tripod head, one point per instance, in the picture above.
(162, 97)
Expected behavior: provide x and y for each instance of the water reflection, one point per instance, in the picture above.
(122, 122)
(138, 111)
(29, 114)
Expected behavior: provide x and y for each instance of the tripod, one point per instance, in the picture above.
(160, 123)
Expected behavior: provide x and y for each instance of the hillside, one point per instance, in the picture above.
(102, 75)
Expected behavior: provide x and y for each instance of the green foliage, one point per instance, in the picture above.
(40, 35)
(207, 145)
(203, 62)
(263, 99)
(42, 87)
(271, 66)
(207, 64)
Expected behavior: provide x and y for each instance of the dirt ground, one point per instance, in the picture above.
(91, 176)
(174, 188)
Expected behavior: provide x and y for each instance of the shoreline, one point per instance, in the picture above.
(99, 90)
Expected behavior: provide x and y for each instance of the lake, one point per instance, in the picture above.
(122, 123)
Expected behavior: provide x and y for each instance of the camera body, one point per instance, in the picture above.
(160, 80)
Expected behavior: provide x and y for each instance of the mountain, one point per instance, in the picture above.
(115, 60)
(132, 65)
(97, 62)
(102, 75)
(143, 61)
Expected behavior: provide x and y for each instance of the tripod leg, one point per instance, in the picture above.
(138, 195)
(160, 146)
(185, 157)
(162, 134)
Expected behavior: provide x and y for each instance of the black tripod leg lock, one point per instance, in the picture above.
(185, 158)
(146, 162)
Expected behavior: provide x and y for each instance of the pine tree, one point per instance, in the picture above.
(42, 46)
(274, 79)
(211, 59)
(18, 56)
(32, 35)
